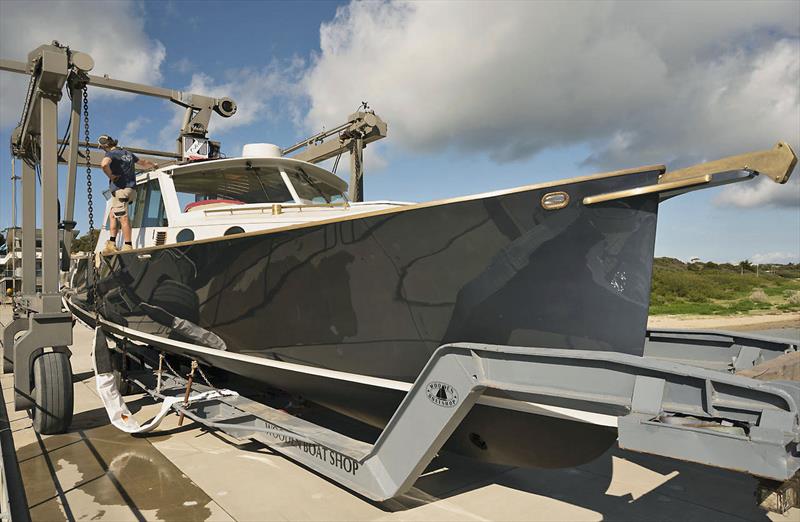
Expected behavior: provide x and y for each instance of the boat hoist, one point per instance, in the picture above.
(684, 398)
(35, 343)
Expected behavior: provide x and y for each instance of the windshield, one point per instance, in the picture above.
(233, 185)
(312, 189)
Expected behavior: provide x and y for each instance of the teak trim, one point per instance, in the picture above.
(647, 189)
(776, 163)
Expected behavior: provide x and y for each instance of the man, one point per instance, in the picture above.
(119, 166)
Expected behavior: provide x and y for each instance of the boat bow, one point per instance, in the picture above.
(776, 163)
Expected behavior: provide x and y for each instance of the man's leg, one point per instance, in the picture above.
(126, 228)
(117, 207)
(111, 244)
(113, 228)
(129, 195)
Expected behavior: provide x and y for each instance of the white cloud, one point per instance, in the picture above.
(762, 192)
(374, 161)
(775, 257)
(112, 33)
(183, 66)
(639, 82)
(266, 93)
(130, 137)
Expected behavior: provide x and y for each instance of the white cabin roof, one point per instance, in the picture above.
(200, 166)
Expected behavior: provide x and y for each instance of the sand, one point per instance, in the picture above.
(728, 322)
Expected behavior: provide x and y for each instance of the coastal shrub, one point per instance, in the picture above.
(679, 288)
(758, 295)
(745, 305)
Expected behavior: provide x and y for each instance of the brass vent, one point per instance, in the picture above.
(555, 200)
(161, 238)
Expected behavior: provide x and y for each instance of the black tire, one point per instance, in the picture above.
(124, 387)
(52, 393)
(120, 367)
(177, 299)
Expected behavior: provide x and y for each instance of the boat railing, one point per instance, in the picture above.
(279, 208)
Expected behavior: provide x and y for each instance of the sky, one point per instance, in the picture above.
(478, 96)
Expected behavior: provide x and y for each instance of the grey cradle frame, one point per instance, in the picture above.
(680, 400)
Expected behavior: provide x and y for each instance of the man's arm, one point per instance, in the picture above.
(106, 166)
(147, 164)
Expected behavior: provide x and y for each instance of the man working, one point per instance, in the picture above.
(119, 166)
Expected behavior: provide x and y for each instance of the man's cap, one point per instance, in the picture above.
(106, 140)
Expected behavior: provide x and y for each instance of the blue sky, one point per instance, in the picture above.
(478, 96)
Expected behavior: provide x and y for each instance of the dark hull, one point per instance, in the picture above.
(374, 296)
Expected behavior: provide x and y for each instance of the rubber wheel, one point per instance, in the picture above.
(177, 299)
(124, 387)
(52, 393)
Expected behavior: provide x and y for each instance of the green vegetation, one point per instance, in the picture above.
(85, 243)
(723, 289)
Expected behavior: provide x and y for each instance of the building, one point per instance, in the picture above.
(11, 262)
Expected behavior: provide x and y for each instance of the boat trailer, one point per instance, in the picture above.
(682, 399)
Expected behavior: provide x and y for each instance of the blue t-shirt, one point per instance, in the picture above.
(123, 167)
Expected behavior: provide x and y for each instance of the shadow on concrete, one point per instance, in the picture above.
(82, 376)
(619, 485)
(657, 488)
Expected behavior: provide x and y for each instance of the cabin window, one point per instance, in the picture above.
(149, 206)
(231, 186)
(312, 189)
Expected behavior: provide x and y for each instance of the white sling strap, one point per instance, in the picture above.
(118, 412)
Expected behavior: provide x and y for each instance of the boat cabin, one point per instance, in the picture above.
(183, 203)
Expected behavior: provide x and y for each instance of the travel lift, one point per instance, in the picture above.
(687, 397)
(47, 327)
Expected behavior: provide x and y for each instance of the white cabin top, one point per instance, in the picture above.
(200, 200)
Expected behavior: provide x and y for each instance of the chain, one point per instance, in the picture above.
(170, 368)
(90, 199)
(203, 375)
(176, 374)
(28, 95)
(88, 158)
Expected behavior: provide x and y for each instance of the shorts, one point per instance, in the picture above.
(119, 203)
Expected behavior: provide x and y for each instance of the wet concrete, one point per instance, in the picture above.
(96, 472)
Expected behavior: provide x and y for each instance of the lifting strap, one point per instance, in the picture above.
(118, 412)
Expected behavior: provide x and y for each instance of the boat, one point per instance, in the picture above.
(260, 266)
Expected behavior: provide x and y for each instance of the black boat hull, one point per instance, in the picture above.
(371, 297)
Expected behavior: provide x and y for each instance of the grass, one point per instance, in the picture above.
(712, 289)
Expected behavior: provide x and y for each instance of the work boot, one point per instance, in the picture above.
(126, 246)
(110, 247)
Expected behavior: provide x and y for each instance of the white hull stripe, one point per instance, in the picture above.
(498, 402)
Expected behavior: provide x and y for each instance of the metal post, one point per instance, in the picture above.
(357, 170)
(72, 165)
(15, 235)
(51, 299)
(28, 230)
